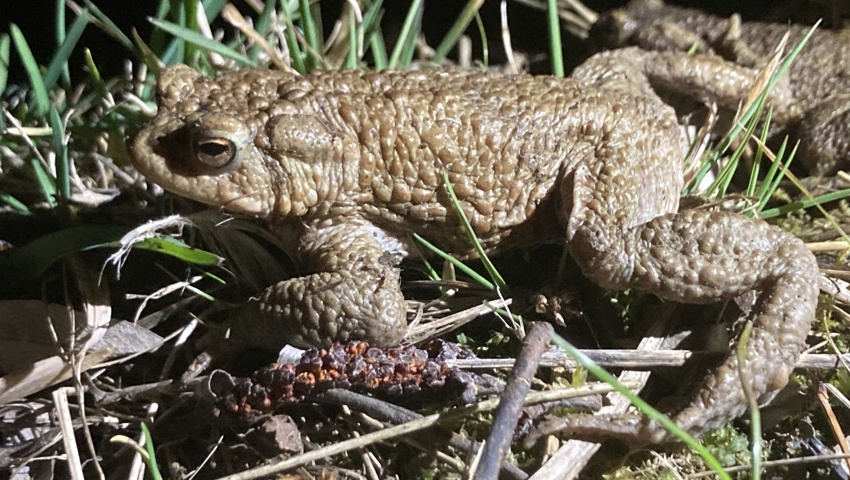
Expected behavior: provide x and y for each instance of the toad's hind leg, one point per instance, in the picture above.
(693, 257)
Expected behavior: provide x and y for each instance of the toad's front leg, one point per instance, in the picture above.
(691, 257)
(351, 292)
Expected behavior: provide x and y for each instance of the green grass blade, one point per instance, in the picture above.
(264, 21)
(410, 47)
(16, 204)
(752, 184)
(457, 263)
(200, 40)
(63, 180)
(353, 33)
(729, 169)
(94, 73)
(372, 16)
(791, 56)
(197, 291)
(40, 98)
(761, 193)
(704, 169)
(379, 50)
(457, 29)
(170, 246)
(748, 119)
(748, 123)
(149, 58)
(158, 39)
(59, 64)
(311, 34)
(485, 44)
(766, 193)
(109, 26)
(175, 50)
(5, 54)
(150, 460)
(213, 8)
(555, 38)
(215, 278)
(641, 405)
(262, 26)
(718, 187)
(316, 16)
(373, 35)
(783, 67)
(802, 204)
(405, 37)
(45, 182)
(25, 264)
(470, 233)
(59, 29)
(752, 401)
(59, 21)
(429, 269)
(296, 53)
(191, 24)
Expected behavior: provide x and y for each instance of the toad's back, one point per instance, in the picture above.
(374, 145)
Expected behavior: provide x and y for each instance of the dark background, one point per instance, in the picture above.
(36, 17)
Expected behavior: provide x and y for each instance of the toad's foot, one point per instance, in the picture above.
(824, 140)
(819, 77)
(707, 78)
(354, 293)
(698, 257)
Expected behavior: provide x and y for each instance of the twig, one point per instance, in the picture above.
(439, 327)
(63, 414)
(506, 38)
(512, 399)
(823, 398)
(340, 447)
(407, 428)
(643, 360)
(233, 17)
(778, 463)
(387, 412)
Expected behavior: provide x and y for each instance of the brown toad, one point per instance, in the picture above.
(817, 109)
(353, 162)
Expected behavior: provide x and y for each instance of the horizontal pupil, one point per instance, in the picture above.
(212, 148)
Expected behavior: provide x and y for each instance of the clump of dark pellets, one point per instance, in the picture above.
(398, 372)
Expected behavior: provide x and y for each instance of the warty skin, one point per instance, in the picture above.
(816, 108)
(352, 162)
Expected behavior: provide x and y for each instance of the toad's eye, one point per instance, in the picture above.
(215, 152)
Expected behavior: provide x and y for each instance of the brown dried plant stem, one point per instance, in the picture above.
(512, 400)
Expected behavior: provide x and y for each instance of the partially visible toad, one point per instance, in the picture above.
(817, 111)
(353, 162)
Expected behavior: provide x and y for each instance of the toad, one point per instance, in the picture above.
(353, 162)
(817, 111)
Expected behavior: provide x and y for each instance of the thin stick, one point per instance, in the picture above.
(387, 412)
(407, 429)
(643, 360)
(499, 442)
